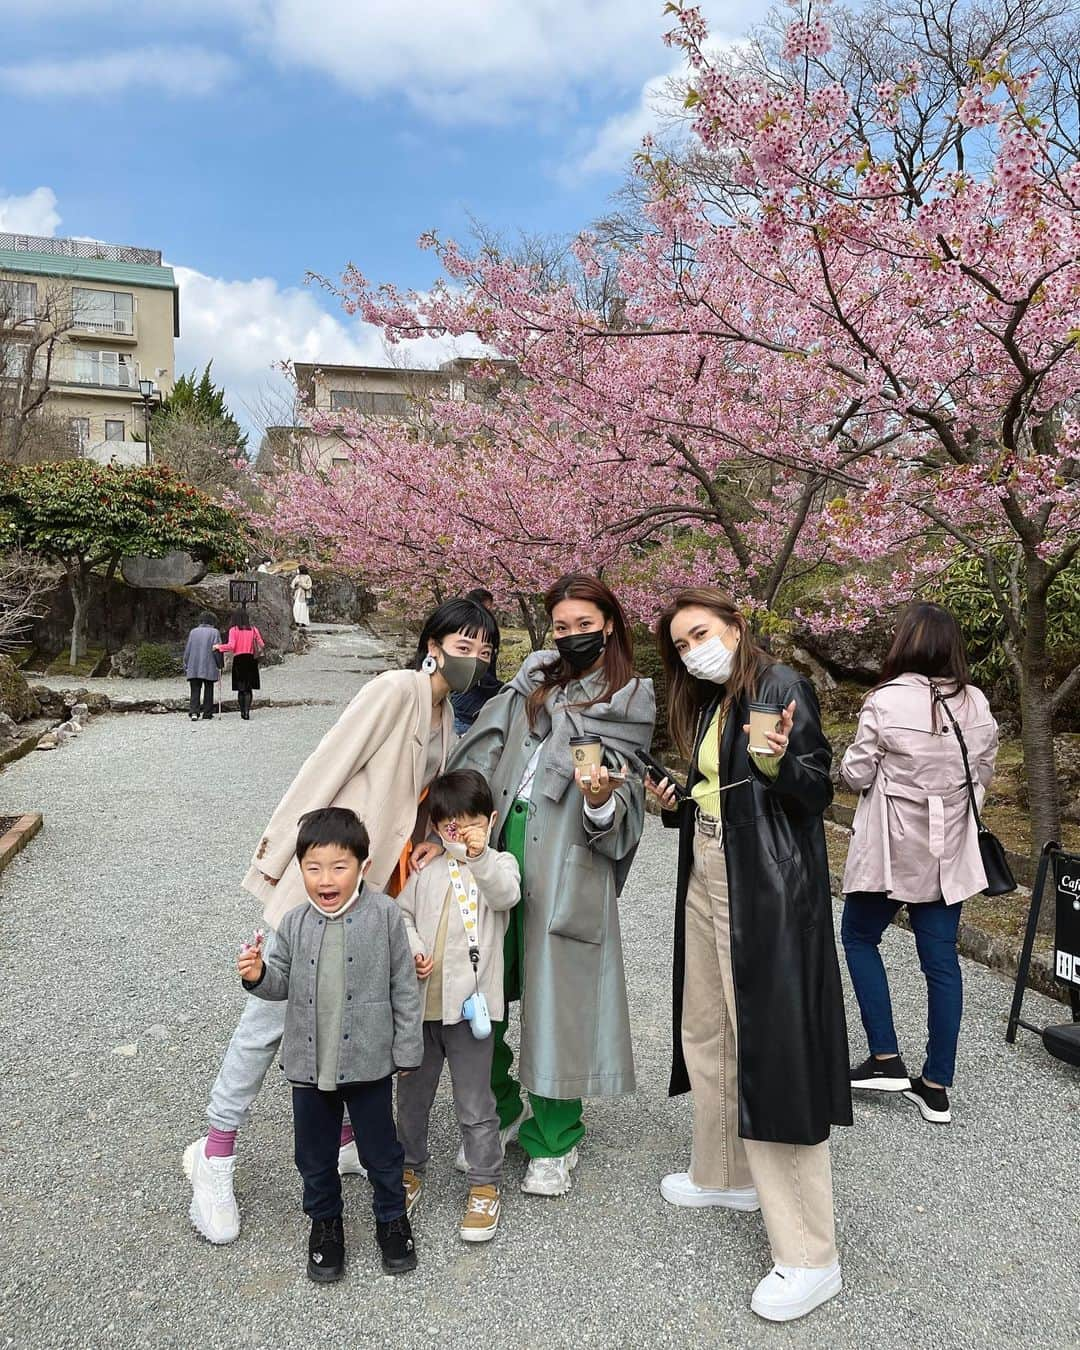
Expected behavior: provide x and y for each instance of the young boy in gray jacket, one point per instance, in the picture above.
(456, 911)
(344, 963)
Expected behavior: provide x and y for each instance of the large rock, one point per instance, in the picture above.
(16, 700)
(338, 599)
(123, 616)
(161, 574)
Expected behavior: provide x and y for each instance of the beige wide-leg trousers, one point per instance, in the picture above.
(793, 1181)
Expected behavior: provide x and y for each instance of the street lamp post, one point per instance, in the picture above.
(151, 397)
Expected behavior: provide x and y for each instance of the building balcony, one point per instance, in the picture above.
(95, 370)
(119, 329)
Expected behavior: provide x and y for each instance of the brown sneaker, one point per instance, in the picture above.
(481, 1214)
(414, 1184)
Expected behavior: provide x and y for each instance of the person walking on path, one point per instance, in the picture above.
(301, 589)
(376, 760)
(353, 1021)
(467, 706)
(574, 838)
(200, 668)
(758, 1010)
(246, 645)
(915, 843)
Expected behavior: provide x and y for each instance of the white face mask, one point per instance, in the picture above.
(711, 661)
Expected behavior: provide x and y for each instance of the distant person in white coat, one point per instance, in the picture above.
(301, 588)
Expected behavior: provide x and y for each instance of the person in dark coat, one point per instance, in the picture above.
(467, 706)
(759, 1030)
(200, 668)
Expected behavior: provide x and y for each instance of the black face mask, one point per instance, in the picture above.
(582, 650)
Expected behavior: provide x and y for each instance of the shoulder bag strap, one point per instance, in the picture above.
(940, 699)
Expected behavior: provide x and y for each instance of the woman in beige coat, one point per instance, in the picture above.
(377, 760)
(914, 842)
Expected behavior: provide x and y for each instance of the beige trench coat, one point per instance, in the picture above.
(914, 835)
(371, 760)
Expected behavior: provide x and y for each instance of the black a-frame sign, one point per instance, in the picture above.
(1061, 1041)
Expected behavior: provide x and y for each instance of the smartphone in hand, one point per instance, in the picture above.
(658, 773)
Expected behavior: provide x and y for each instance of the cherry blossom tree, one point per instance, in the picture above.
(853, 348)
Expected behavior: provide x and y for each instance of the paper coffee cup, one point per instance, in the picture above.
(586, 753)
(763, 717)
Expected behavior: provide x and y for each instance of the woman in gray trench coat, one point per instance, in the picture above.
(575, 841)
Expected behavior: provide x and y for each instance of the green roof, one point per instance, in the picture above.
(92, 269)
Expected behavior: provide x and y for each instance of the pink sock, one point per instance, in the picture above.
(220, 1143)
(347, 1135)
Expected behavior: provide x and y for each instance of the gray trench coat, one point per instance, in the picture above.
(575, 1023)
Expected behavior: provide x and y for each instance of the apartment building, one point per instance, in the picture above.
(115, 311)
(372, 391)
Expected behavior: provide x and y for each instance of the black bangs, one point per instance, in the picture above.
(456, 616)
(464, 793)
(333, 825)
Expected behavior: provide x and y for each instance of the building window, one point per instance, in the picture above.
(114, 369)
(18, 301)
(80, 433)
(371, 402)
(103, 311)
(114, 431)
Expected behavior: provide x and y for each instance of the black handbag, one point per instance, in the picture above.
(219, 659)
(999, 877)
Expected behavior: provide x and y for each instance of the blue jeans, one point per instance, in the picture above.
(866, 916)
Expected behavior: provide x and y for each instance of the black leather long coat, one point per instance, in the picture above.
(793, 1054)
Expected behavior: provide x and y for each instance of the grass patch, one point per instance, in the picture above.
(85, 667)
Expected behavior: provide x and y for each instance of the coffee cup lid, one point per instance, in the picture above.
(766, 708)
(585, 740)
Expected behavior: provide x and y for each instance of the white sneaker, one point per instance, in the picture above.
(213, 1205)
(550, 1176)
(506, 1136)
(348, 1161)
(678, 1189)
(788, 1292)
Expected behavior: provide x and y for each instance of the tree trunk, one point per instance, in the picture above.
(1037, 736)
(535, 618)
(79, 584)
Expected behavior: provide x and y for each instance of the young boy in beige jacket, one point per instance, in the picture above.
(456, 912)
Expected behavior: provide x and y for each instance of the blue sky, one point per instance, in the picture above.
(252, 140)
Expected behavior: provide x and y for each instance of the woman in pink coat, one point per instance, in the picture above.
(914, 842)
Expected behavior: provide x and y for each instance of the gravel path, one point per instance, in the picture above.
(118, 927)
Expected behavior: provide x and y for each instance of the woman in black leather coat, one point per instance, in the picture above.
(759, 1032)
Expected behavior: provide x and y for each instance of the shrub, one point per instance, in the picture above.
(155, 661)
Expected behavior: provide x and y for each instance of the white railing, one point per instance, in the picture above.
(121, 324)
(90, 249)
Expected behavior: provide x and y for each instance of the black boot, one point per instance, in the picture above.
(245, 706)
(326, 1250)
(395, 1241)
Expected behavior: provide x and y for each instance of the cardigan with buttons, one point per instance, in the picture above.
(382, 1027)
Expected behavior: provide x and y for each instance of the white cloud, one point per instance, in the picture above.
(247, 328)
(33, 213)
(183, 71)
(466, 61)
(621, 135)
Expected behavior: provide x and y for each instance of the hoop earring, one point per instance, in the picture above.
(429, 665)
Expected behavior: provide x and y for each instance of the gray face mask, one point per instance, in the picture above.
(463, 673)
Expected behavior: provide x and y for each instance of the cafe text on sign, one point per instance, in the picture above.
(1067, 917)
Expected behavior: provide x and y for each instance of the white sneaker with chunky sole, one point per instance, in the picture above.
(788, 1292)
(506, 1136)
(550, 1176)
(213, 1205)
(678, 1189)
(348, 1161)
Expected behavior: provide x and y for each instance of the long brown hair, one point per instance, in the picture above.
(687, 695)
(928, 641)
(618, 653)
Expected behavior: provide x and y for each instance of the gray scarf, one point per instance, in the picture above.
(625, 723)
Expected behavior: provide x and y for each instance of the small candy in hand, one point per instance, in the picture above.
(452, 831)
